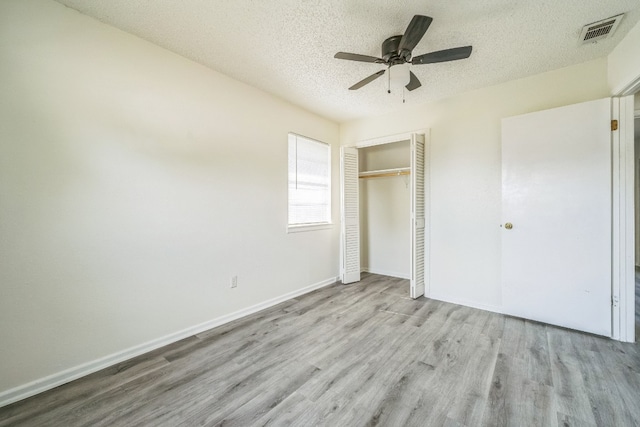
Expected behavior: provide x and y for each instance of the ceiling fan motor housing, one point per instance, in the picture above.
(390, 51)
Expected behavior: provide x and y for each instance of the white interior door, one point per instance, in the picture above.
(350, 236)
(556, 193)
(417, 215)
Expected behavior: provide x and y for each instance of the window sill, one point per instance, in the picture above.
(309, 227)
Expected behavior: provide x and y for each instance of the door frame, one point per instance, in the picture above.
(623, 214)
(388, 139)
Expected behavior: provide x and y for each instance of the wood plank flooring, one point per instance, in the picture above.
(359, 355)
(637, 304)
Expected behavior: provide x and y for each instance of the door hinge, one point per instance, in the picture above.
(614, 125)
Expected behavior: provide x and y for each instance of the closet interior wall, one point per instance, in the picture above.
(385, 237)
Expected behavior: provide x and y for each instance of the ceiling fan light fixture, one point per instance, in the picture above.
(399, 76)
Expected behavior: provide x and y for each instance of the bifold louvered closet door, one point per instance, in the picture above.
(350, 215)
(418, 215)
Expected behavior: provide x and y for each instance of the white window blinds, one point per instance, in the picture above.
(309, 181)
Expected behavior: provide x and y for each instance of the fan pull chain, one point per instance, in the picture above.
(403, 92)
(389, 80)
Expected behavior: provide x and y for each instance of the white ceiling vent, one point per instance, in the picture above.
(600, 30)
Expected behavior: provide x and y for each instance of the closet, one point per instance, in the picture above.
(384, 173)
(383, 209)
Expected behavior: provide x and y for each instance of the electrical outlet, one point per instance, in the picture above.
(234, 281)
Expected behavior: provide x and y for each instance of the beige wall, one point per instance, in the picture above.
(466, 170)
(624, 62)
(133, 184)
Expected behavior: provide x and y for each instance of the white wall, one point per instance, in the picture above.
(133, 184)
(624, 62)
(385, 211)
(466, 170)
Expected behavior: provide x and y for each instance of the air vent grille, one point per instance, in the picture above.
(600, 30)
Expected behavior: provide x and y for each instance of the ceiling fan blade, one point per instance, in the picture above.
(357, 57)
(412, 36)
(414, 83)
(443, 55)
(367, 80)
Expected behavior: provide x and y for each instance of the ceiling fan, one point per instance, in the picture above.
(396, 50)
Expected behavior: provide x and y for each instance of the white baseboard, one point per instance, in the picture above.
(385, 273)
(43, 384)
(466, 303)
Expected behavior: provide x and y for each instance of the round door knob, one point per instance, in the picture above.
(508, 226)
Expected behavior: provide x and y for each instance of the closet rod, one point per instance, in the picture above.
(380, 175)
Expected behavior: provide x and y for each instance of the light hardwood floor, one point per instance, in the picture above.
(359, 355)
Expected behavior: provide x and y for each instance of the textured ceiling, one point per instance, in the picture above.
(286, 47)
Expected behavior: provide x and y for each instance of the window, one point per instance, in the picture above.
(309, 182)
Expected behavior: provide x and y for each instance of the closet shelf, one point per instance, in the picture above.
(385, 172)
